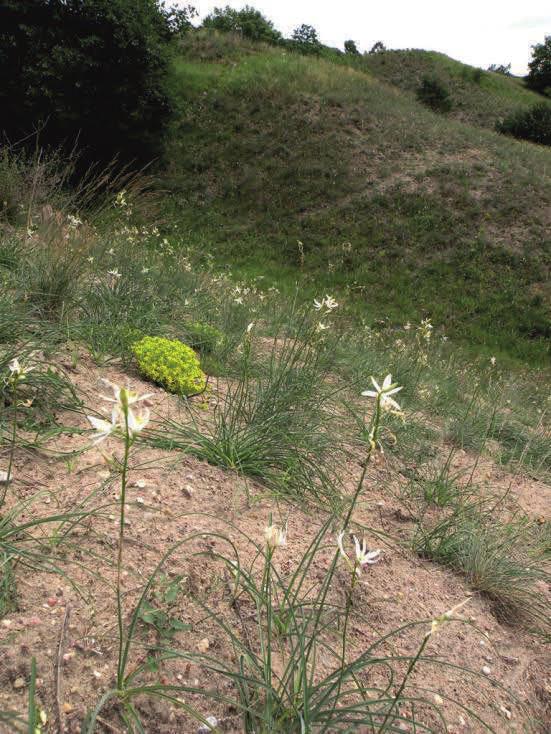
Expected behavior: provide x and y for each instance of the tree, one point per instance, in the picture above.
(351, 48)
(305, 37)
(89, 73)
(504, 69)
(248, 22)
(539, 76)
(378, 48)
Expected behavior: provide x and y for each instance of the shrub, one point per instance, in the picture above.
(539, 76)
(171, 364)
(377, 48)
(533, 124)
(203, 337)
(74, 70)
(434, 94)
(351, 48)
(504, 69)
(248, 22)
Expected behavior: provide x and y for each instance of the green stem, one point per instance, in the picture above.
(269, 638)
(13, 441)
(409, 671)
(344, 634)
(375, 434)
(127, 444)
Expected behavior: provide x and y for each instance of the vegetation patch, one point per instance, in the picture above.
(171, 364)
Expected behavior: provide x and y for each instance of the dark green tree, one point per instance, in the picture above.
(305, 39)
(248, 22)
(377, 48)
(351, 48)
(87, 73)
(539, 76)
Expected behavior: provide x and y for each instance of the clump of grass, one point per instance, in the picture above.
(275, 424)
(499, 559)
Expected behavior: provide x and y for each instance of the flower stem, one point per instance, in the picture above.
(127, 445)
(13, 441)
(409, 671)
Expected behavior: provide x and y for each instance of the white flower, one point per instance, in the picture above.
(330, 303)
(123, 394)
(137, 423)
(275, 536)
(111, 251)
(115, 273)
(123, 400)
(407, 326)
(74, 221)
(90, 259)
(363, 556)
(145, 270)
(250, 327)
(238, 300)
(425, 328)
(322, 327)
(383, 393)
(493, 361)
(102, 427)
(17, 370)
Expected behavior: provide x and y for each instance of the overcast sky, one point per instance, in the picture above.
(478, 32)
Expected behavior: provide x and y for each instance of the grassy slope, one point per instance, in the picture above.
(412, 213)
(478, 97)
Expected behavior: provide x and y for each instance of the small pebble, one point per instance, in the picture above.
(204, 729)
(505, 711)
(140, 483)
(67, 708)
(486, 670)
(52, 601)
(203, 645)
(188, 490)
(4, 477)
(96, 674)
(438, 699)
(19, 683)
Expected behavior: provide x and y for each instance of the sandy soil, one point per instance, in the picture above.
(71, 627)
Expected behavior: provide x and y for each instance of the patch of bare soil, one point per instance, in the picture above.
(71, 627)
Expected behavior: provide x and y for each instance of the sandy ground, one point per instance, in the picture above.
(71, 627)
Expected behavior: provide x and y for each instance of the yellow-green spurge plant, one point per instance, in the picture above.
(171, 364)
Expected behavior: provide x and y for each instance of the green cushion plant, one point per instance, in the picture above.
(171, 364)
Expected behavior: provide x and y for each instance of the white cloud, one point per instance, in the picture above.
(478, 32)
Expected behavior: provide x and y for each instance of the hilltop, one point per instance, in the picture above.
(478, 97)
(322, 170)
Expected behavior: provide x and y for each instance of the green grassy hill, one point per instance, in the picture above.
(304, 168)
(478, 97)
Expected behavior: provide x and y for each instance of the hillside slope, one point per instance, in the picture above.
(286, 161)
(478, 97)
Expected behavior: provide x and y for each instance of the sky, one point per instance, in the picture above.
(477, 32)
